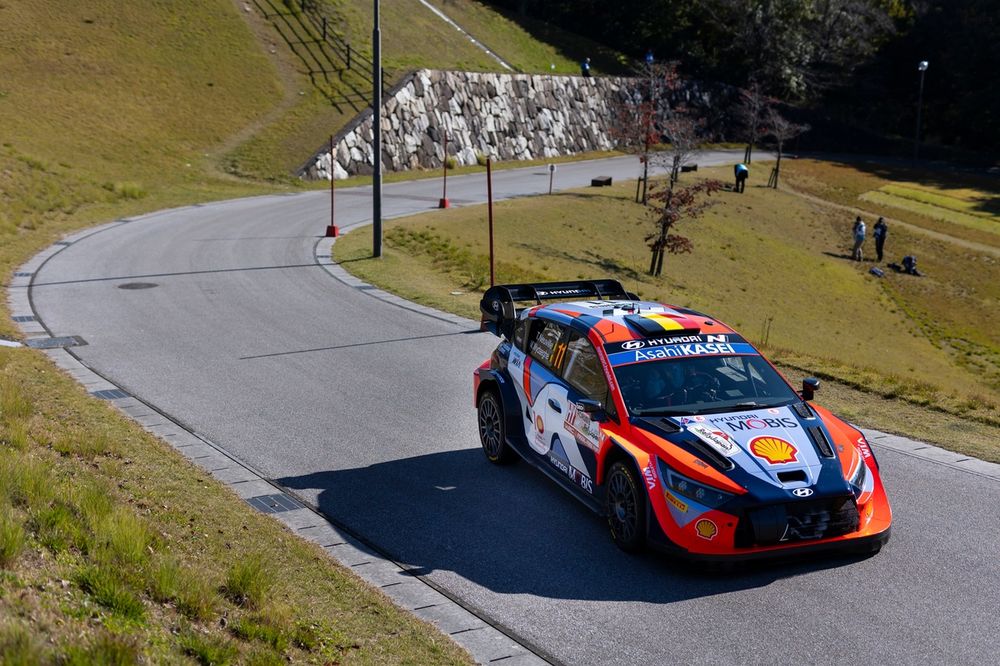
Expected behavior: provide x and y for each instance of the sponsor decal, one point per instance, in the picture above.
(717, 439)
(582, 427)
(754, 422)
(578, 477)
(684, 420)
(679, 505)
(517, 358)
(802, 492)
(863, 447)
(650, 475)
(706, 529)
(774, 410)
(699, 463)
(670, 342)
(774, 450)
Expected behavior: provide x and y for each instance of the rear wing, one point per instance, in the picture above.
(500, 313)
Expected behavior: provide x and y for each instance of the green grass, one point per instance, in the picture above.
(934, 206)
(248, 582)
(104, 584)
(208, 650)
(761, 256)
(12, 538)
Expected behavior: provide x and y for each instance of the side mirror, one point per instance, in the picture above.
(589, 406)
(809, 387)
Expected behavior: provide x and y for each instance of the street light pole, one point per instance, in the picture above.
(377, 136)
(921, 67)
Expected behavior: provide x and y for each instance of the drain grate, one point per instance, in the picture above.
(110, 394)
(24, 318)
(274, 503)
(63, 243)
(23, 274)
(56, 343)
(138, 285)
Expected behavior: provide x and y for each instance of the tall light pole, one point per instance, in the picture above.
(377, 136)
(921, 67)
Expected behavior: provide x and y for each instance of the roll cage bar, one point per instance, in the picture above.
(498, 303)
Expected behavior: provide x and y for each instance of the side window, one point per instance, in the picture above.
(544, 343)
(520, 332)
(583, 368)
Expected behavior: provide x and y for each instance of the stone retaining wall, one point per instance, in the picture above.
(504, 116)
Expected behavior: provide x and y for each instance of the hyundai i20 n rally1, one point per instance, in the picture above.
(671, 425)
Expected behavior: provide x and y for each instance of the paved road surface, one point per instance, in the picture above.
(365, 410)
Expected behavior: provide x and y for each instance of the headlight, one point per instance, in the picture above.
(691, 489)
(859, 477)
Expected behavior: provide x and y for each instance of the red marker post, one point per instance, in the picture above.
(331, 230)
(444, 203)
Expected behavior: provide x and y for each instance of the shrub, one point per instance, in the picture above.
(480, 158)
(450, 162)
(248, 582)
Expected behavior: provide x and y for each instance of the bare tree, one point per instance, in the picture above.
(672, 205)
(683, 135)
(647, 120)
(782, 130)
(751, 111)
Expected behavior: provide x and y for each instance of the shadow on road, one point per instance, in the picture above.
(511, 531)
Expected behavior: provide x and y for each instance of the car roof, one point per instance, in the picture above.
(620, 320)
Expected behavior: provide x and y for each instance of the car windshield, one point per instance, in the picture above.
(702, 385)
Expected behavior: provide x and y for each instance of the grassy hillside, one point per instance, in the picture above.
(106, 554)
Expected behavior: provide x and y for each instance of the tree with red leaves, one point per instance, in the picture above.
(670, 206)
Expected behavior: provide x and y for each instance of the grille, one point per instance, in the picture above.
(797, 521)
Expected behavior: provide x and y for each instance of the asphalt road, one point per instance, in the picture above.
(365, 410)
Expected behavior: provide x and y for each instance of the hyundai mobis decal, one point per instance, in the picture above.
(676, 346)
(763, 442)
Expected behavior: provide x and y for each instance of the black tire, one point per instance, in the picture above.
(625, 504)
(492, 433)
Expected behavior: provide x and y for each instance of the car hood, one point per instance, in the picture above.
(770, 444)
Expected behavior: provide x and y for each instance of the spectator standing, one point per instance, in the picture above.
(742, 172)
(585, 67)
(859, 238)
(880, 231)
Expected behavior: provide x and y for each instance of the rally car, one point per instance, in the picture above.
(672, 426)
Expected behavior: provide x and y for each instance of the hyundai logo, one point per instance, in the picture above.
(633, 344)
(802, 492)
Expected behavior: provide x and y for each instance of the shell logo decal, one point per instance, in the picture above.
(539, 425)
(706, 529)
(774, 450)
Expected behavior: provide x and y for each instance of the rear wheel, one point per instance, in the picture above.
(491, 430)
(625, 507)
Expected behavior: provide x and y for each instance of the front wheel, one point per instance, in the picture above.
(491, 430)
(626, 508)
